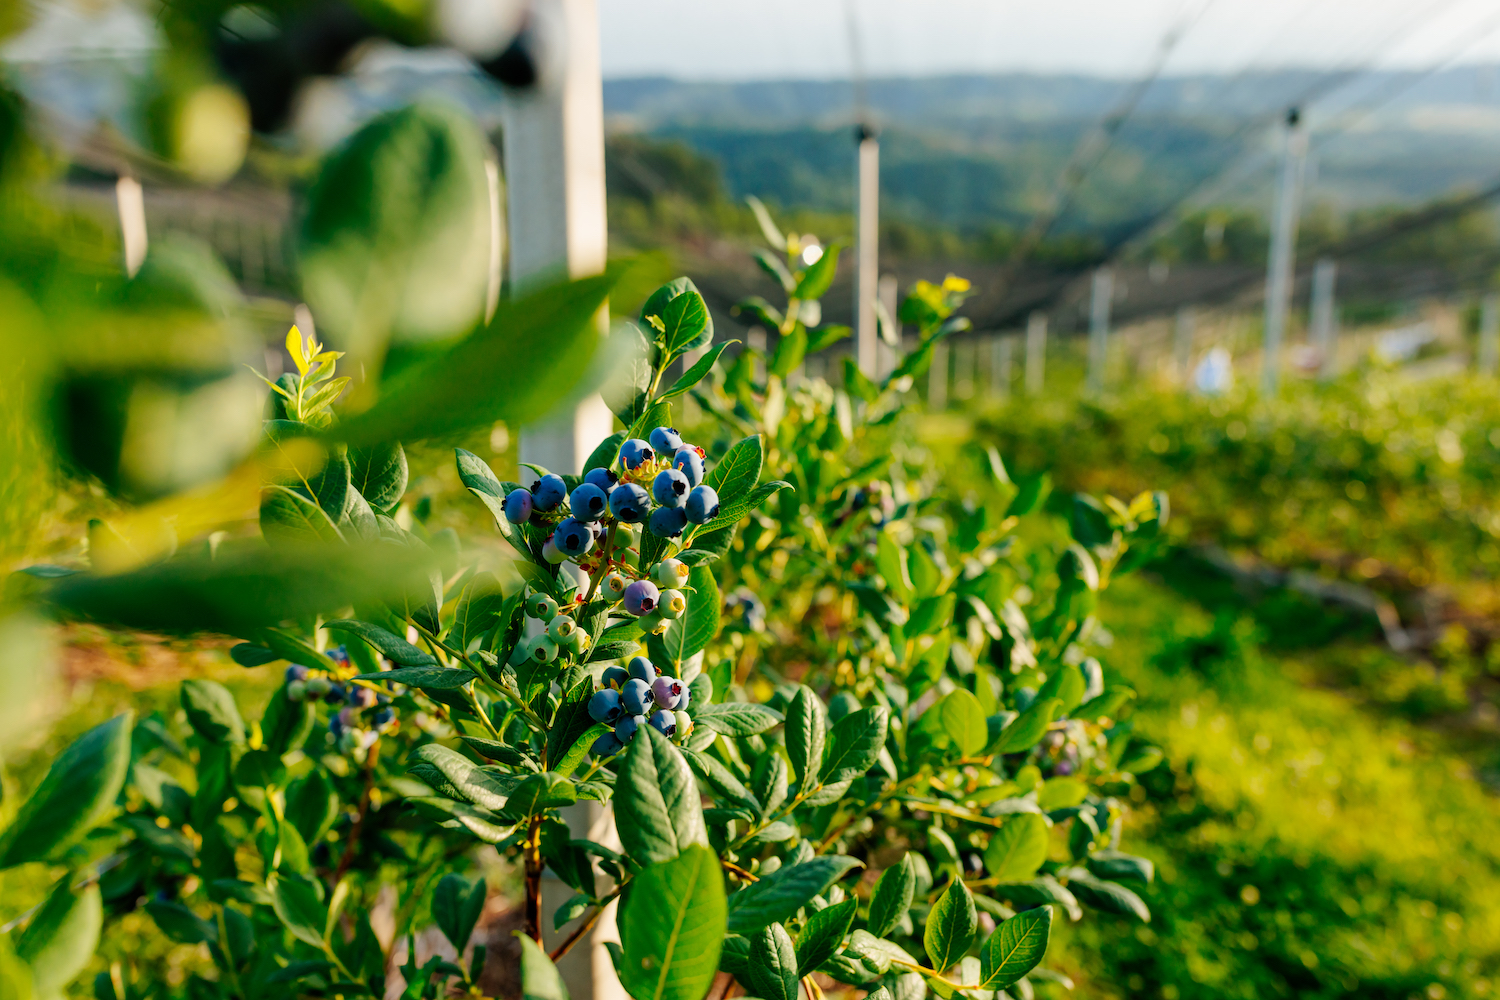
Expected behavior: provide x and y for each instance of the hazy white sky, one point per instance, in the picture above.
(749, 39)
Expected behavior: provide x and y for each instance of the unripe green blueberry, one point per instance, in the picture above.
(684, 725)
(543, 649)
(318, 687)
(614, 585)
(296, 690)
(654, 623)
(576, 641)
(672, 604)
(552, 553)
(541, 606)
(560, 628)
(670, 574)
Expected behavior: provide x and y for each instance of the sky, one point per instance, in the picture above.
(771, 39)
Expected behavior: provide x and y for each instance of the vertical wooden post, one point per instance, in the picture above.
(937, 378)
(1182, 344)
(1102, 290)
(1000, 365)
(867, 249)
(1283, 248)
(1323, 320)
(131, 201)
(1489, 334)
(1036, 352)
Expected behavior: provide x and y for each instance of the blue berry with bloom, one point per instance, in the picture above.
(665, 440)
(635, 453)
(589, 502)
(688, 462)
(684, 699)
(384, 717)
(615, 677)
(670, 488)
(607, 746)
(666, 690)
(664, 722)
(642, 668)
(518, 505)
(629, 503)
(605, 479)
(362, 697)
(296, 672)
(636, 696)
(626, 727)
(667, 522)
(702, 504)
(605, 706)
(572, 537)
(549, 491)
(641, 597)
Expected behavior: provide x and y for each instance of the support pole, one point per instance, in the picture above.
(1283, 248)
(1182, 344)
(937, 378)
(867, 249)
(885, 352)
(1102, 290)
(1489, 334)
(131, 201)
(1036, 352)
(1323, 321)
(1000, 365)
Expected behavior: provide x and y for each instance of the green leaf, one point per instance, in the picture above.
(540, 979)
(739, 470)
(1038, 892)
(540, 792)
(608, 450)
(698, 625)
(1107, 896)
(211, 711)
(825, 337)
(964, 721)
(791, 348)
(689, 378)
(1017, 849)
(330, 487)
(1015, 948)
(78, 790)
(1089, 522)
(312, 805)
(772, 969)
(688, 323)
(1066, 684)
(778, 896)
(426, 678)
(815, 280)
(738, 718)
(580, 748)
(289, 518)
(892, 897)
(456, 906)
(478, 610)
(721, 780)
(950, 926)
(823, 935)
(1027, 729)
(297, 905)
(657, 807)
(672, 927)
(854, 743)
(389, 645)
(248, 654)
(1115, 865)
(482, 823)
(180, 923)
(806, 732)
(891, 561)
(932, 614)
(1104, 706)
(478, 786)
(60, 940)
(379, 473)
(732, 510)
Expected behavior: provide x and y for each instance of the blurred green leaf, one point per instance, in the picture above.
(78, 790)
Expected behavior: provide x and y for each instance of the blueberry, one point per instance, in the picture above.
(626, 727)
(614, 585)
(602, 478)
(605, 706)
(684, 700)
(636, 696)
(643, 668)
(518, 505)
(362, 697)
(552, 553)
(665, 440)
(541, 606)
(667, 522)
(670, 488)
(654, 623)
(670, 573)
(688, 462)
(317, 687)
(626, 535)
(589, 502)
(384, 717)
(336, 727)
(606, 746)
(572, 538)
(549, 491)
(629, 503)
(296, 672)
(615, 677)
(635, 452)
(338, 654)
(671, 604)
(336, 693)
(296, 690)
(702, 504)
(561, 629)
(641, 597)
(665, 722)
(542, 649)
(666, 690)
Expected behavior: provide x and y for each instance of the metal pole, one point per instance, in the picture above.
(1036, 352)
(867, 249)
(1283, 247)
(1103, 289)
(1489, 334)
(1323, 321)
(1182, 343)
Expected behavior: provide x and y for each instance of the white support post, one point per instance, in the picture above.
(1000, 364)
(965, 361)
(554, 164)
(1283, 248)
(937, 378)
(890, 296)
(1102, 290)
(1324, 321)
(1182, 344)
(1489, 334)
(131, 201)
(867, 250)
(1036, 352)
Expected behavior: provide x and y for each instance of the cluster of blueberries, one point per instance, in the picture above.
(562, 633)
(365, 713)
(677, 496)
(635, 696)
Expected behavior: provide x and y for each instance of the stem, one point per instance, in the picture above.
(583, 928)
(484, 717)
(533, 853)
(881, 800)
(359, 820)
(735, 869)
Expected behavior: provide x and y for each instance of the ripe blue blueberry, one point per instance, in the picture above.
(629, 503)
(666, 691)
(642, 668)
(665, 440)
(667, 522)
(665, 722)
(362, 697)
(641, 597)
(702, 504)
(688, 462)
(518, 504)
(670, 488)
(384, 717)
(296, 672)
(589, 502)
(602, 478)
(636, 696)
(615, 677)
(626, 727)
(684, 699)
(606, 746)
(336, 693)
(572, 537)
(549, 491)
(605, 707)
(336, 726)
(635, 452)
